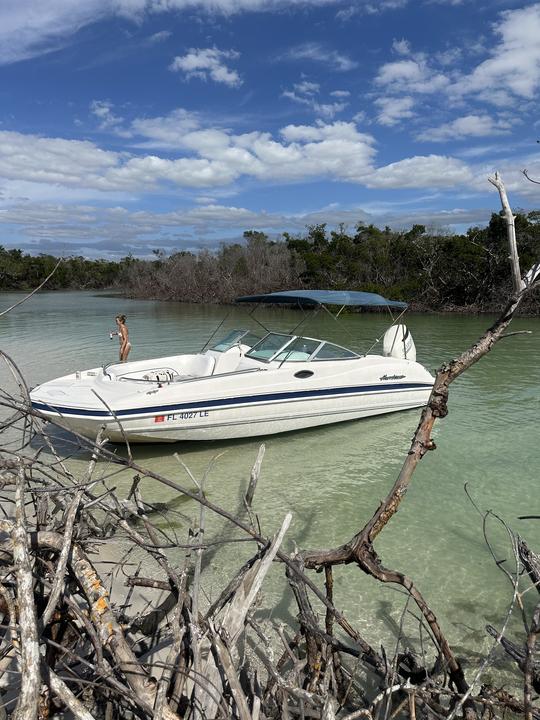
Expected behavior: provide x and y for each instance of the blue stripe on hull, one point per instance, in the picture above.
(244, 400)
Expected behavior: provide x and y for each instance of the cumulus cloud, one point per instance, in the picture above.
(103, 110)
(53, 160)
(450, 56)
(208, 63)
(211, 157)
(82, 164)
(401, 47)
(392, 110)
(464, 127)
(413, 75)
(435, 171)
(215, 158)
(511, 70)
(514, 64)
(164, 132)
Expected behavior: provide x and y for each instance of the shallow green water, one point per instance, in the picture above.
(333, 478)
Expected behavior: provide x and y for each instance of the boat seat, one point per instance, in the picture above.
(226, 362)
(205, 366)
(197, 367)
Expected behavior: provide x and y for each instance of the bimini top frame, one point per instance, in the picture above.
(313, 298)
(317, 299)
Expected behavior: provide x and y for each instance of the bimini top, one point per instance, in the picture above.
(323, 297)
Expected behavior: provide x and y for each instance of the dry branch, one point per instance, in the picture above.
(27, 704)
(27, 297)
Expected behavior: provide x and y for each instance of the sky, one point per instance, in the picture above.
(128, 126)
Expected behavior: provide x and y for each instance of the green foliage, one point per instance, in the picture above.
(437, 271)
(21, 272)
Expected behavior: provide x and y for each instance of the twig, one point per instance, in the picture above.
(24, 299)
(529, 178)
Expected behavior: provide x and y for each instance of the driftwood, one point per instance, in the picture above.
(127, 639)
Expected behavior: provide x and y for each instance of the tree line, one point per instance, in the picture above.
(430, 269)
(20, 271)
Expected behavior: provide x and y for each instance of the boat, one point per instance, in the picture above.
(244, 385)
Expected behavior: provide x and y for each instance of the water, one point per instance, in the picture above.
(333, 478)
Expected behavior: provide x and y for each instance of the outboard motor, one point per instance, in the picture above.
(398, 343)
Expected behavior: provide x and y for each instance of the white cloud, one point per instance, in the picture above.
(360, 117)
(28, 29)
(103, 110)
(116, 231)
(434, 171)
(212, 157)
(159, 37)
(165, 132)
(307, 88)
(305, 93)
(82, 164)
(510, 168)
(392, 110)
(346, 14)
(476, 151)
(514, 65)
(401, 47)
(511, 71)
(411, 76)
(466, 126)
(369, 8)
(205, 63)
(318, 53)
(450, 56)
(31, 27)
(52, 160)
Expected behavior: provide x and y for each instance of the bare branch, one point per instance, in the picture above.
(24, 299)
(529, 178)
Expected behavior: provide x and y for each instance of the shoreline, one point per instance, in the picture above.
(414, 307)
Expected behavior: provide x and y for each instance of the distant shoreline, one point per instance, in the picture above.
(465, 273)
(417, 308)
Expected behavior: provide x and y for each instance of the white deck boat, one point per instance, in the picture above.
(243, 386)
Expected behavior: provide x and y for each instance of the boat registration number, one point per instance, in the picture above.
(188, 415)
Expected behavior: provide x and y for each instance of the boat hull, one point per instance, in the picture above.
(259, 408)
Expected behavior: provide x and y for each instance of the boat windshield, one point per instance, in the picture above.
(329, 351)
(235, 337)
(269, 346)
(288, 348)
(299, 350)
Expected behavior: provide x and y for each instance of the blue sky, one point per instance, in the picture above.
(128, 125)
